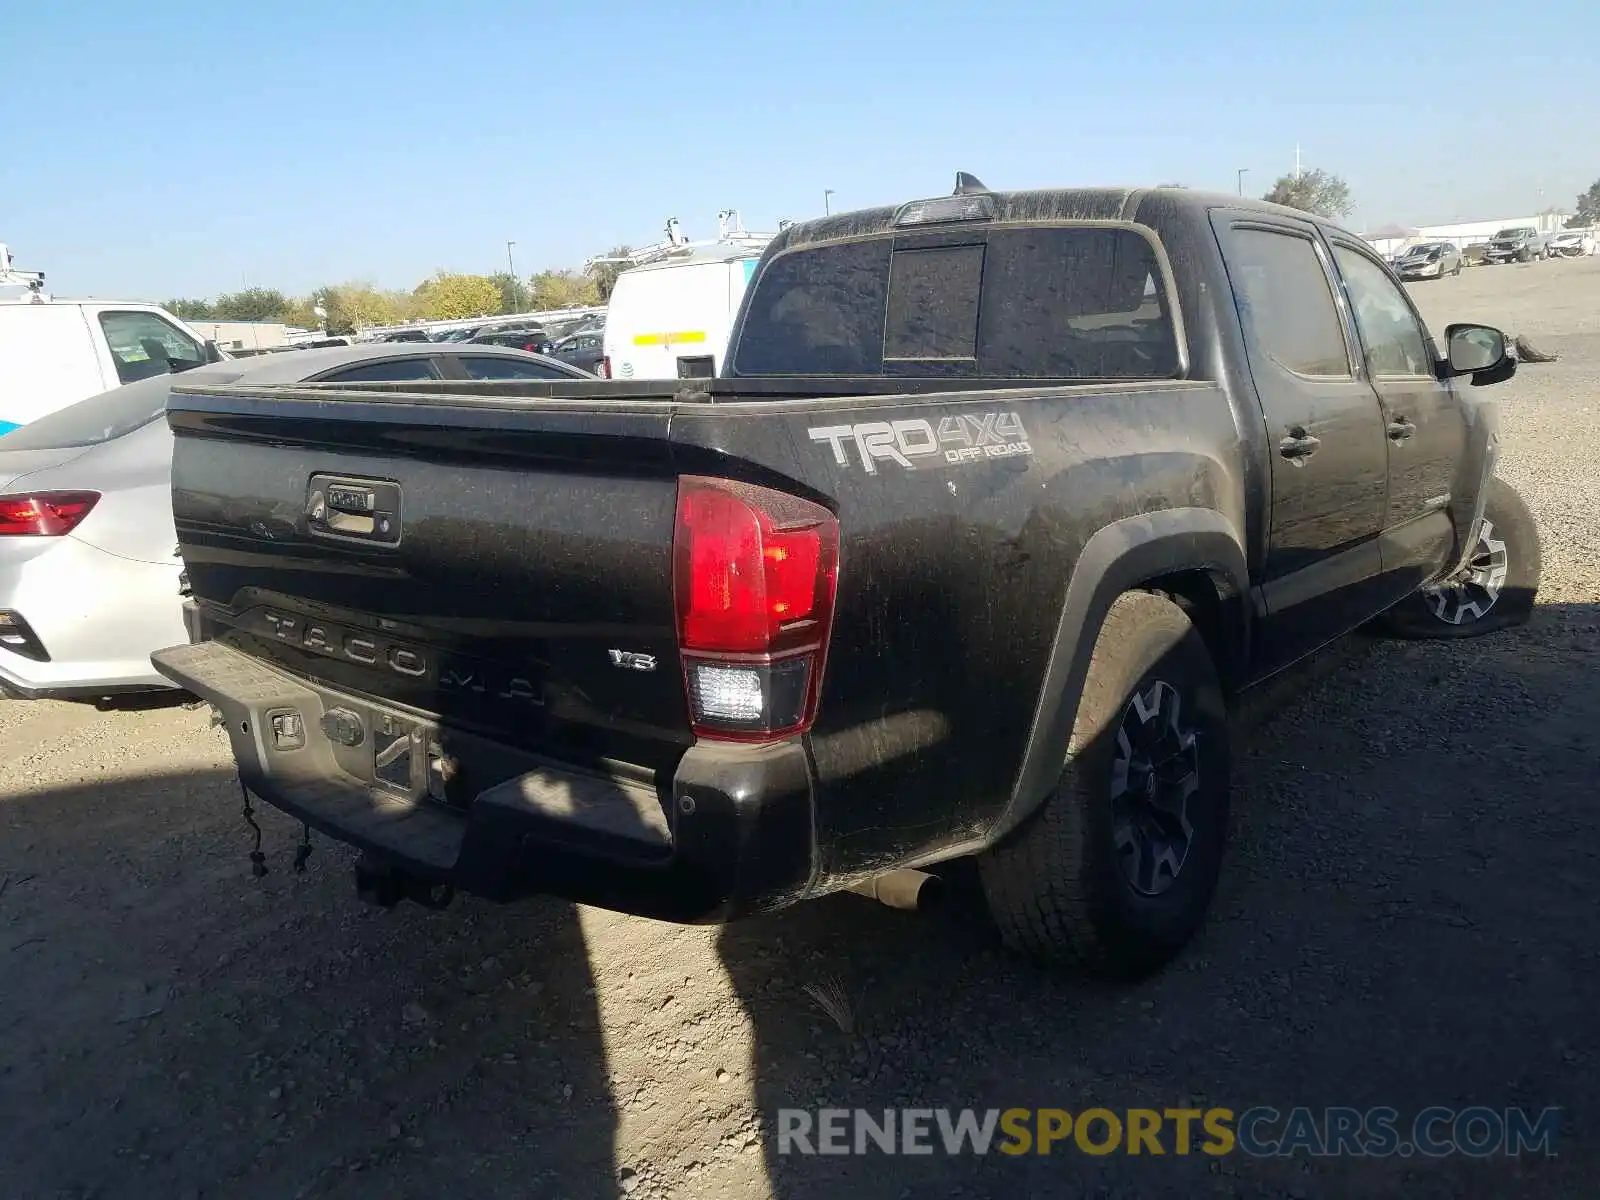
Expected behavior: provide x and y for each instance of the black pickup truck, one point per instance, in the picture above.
(1000, 502)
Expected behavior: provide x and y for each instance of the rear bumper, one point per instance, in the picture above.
(93, 617)
(728, 835)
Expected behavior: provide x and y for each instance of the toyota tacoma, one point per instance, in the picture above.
(1000, 501)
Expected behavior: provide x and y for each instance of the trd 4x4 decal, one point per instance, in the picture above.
(917, 444)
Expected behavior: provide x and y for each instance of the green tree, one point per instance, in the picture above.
(604, 274)
(1318, 192)
(448, 297)
(563, 289)
(189, 310)
(300, 312)
(352, 307)
(1588, 208)
(513, 292)
(252, 304)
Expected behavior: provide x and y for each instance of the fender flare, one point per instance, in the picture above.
(1117, 558)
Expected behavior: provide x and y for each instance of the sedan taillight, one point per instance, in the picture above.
(44, 514)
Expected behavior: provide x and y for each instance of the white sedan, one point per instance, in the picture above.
(89, 574)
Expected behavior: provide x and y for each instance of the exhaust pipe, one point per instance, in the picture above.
(912, 891)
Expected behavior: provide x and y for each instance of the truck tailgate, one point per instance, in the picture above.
(485, 572)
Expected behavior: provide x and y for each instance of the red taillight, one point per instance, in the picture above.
(605, 367)
(44, 514)
(755, 575)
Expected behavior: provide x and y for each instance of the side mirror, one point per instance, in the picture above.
(1478, 351)
(213, 351)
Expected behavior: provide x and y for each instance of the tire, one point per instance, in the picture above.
(1061, 888)
(1496, 591)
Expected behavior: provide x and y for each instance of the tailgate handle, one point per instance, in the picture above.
(354, 510)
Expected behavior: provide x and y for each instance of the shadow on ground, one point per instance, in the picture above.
(1407, 920)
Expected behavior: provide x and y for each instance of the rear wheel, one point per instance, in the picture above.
(1495, 589)
(1115, 872)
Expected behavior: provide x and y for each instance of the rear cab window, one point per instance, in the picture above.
(1007, 301)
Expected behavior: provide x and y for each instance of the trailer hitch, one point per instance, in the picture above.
(384, 885)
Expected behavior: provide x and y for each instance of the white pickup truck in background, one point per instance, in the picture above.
(56, 352)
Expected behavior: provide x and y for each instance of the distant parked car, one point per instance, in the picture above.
(581, 350)
(80, 614)
(1472, 253)
(535, 339)
(1521, 243)
(1572, 245)
(406, 335)
(1428, 260)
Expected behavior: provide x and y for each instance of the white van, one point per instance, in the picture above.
(56, 352)
(671, 319)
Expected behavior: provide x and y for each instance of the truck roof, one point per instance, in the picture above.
(1046, 204)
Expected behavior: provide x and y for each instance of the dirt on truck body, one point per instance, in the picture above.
(1000, 502)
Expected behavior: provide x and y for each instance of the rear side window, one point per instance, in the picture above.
(1057, 302)
(510, 368)
(1285, 302)
(388, 370)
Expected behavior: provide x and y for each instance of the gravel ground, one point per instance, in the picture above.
(1403, 922)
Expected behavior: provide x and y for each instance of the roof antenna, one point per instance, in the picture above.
(967, 184)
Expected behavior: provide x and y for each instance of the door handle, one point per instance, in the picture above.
(1400, 429)
(1298, 446)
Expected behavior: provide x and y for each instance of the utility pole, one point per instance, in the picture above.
(516, 285)
(1243, 171)
(827, 202)
(1297, 161)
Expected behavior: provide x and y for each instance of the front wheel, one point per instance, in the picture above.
(1494, 590)
(1115, 871)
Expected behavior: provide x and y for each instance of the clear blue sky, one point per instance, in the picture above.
(175, 148)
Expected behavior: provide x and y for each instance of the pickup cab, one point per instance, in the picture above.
(56, 352)
(1000, 501)
(1523, 243)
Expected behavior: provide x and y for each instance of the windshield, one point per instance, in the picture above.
(1512, 233)
(104, 417)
